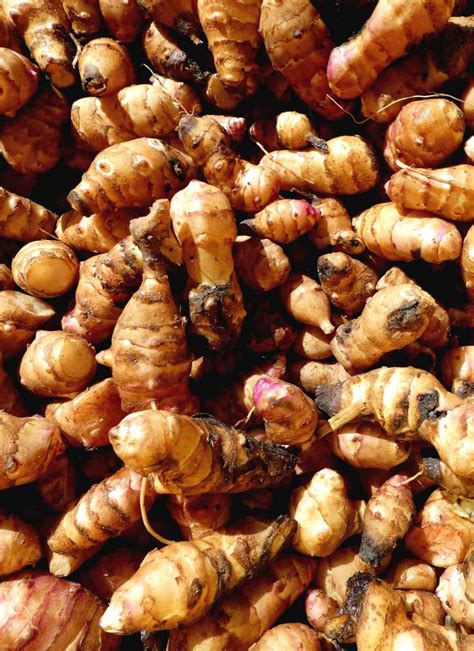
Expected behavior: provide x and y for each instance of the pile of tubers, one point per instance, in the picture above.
(236, 325)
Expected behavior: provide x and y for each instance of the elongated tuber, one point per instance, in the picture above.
(395, 233)
(437, 471)
(205, 227)
(284, 221)
(288, 636)
(324, 513)
(181, 15)
(123, 18)
(240, 548)
(412, 574)
(236, 464)
(347, 282)
(105, 67)
(97, 233)
(57, 364)
(305, 300)
(288, 130)
(131, 175)
(311, 343)
(84, 16)
(45, 268)
(199, 515)
(451, 591)
(20, 317)
(18, 81)
(309, 375)
(20, 545)
(261, 264)
(333, 228)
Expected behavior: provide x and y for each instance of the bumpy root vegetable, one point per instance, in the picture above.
(20, 317)
(412, 404)
(88, 417)
(57, 486)
(105, 67)
(305, 300)
(249, 187)
(106, 282)
(439, 536)
(123, 18)
(45, 268)
(108, 571)
(364, 444)
(299, 44)
(104, 511)
(150, 360)
(391, 319)
(394, 233)
(6, 278)
(97, 233)
(320, 608)
(284, 221)
(31, 142)
(387, 519)
(312, 343)
(45, 30)
(261, 264)
(467, 263)
(131, 175)
(231, 28)
(387, 35)
(242, 616)
(437, 471)
(423, 604)
(57, 364)
(205, 227)
(181, 15)
(241, 549)
(349, 167)
(347, 282)
(424, 134)
(289, 415)
(325, 514)
(73, 614)
(199, 515)
(289, 130)
(425, 70)
(288, 636)
(28, 446)
(20, 545)
(223, 459)
(310, 375)
(451, 591)
(412, 574)
(18, 81)
(457, 370)
(84, 16)
(334, 228)
(23, 219)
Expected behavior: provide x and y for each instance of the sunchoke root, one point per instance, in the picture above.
(19, 79)
(45, 268)
(20, 317)
(97, 233)
(105, 67)
(20, 545)
(347, 282)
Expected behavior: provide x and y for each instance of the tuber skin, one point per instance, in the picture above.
(320, 609)
(334, 228)
(19, 79)
(20, 317)
(19, 542)
(31, 141)
(223, 460)
(424, 604)
(437, 471)
(73, 615)
(298, 44)
(349, 167)
(84, 16)
(97, 233)
(387, 519)
(131, 175)
(424, 134)
(311, 343)
(306, 302)
(205, 227)
(149, 354)
(142, 110)
(451, 591)
(123, 18)
(57, 486)
(231, 29)
(348, 282)
(288, 636)
(446, 191)
(412, 574)
(364, 444)
(395, 233)
(309, 375)
(109, 570)
(241, 617)
(57, 364)
(467, 263)
(105, 284)
(87, 418)
(391, 319)
(468, 570)
(390, 31)
(260, 264)
(289, 415)
(199, 515)
(439, 536)
(45, 29)
(457, 370)
(218, 563)
(469, 149)
(28, 445)
(105, 67)
(249, 187)
(326, 516)
(220, 96)
(424, 70)
(104, 511)
(45, 268)
(6, 278)
(181, 16)
(283, 221)
(288, 130)
(411, 404)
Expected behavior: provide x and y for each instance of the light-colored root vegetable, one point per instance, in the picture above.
(283, 221)
(306, 302)
(261, 264)
(18, 81)
(199, 515)
(109, 570)
(45, 268)
(23, 219)
(412, 574)
(348, 282)
(97, 233)
(437, 471)
(20, 317)
(19, 544)
(84, 16)
(288, 636)
(310, 375)
(451, 591)
(123, 18)
(311, 343)
(334, 228)
(105, 67)
(57, 486)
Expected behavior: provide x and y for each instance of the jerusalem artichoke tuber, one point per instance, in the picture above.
(288, 130)
(199, 515)
(334, 228)
(107, 572)
(311, 343)
(309, 375)
(20, 317)
(451, 591)
(45, 268)
(412, 574)
(123, 18)
(84, 16)
(283, 221)
(288, 636)
(261, 264)
(20, 545)
(347, 282)
(18, 81)
(105, 67)
(457, 370)
(181, 15)
(97, 233)
(305, 300)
